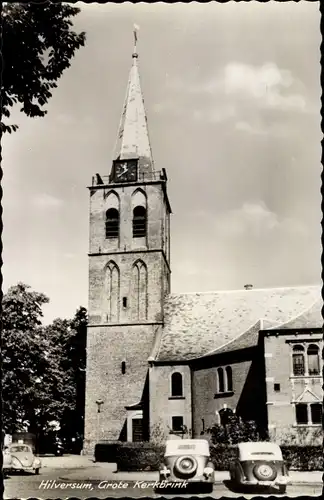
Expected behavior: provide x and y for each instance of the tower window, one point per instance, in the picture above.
(124, 301)
(176, 384)
(112, 223)
(139, 222)
(276, 387)
(123, 367)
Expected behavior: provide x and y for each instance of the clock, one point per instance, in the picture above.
(125, 171)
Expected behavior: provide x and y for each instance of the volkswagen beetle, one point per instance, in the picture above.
(23, 458)
(6, 461)
(187, 461)
(259, 464)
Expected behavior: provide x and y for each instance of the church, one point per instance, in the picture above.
(159, 362)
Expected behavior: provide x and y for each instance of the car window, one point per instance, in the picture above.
(261, 453)
(17, 449)
(186, 447)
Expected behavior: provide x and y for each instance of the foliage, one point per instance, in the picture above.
(304, 458)
(299, 436)
(43, 367)
(38, 45)
(234, 432)
(24, 356)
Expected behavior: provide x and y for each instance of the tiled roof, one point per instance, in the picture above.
(198, 323)
(247, 339)
(311, 318)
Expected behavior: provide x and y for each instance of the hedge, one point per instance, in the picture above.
(303, 457)
(148, 456)
(139, 456)
(106, 451)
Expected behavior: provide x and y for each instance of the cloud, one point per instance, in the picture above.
(45, 200)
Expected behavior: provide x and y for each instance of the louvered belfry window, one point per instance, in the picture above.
(112, 223)
(139, 222)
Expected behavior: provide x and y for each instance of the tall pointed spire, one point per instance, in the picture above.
(133, 138)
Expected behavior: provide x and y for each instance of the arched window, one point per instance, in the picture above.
(112, 223)
(139, 222)
(313, 360)
(176, 384)
(139, 291)
(298, 360)
(111, 293)
(229, 378)
(220, 376)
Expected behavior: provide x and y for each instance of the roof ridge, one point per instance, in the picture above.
(246, 291)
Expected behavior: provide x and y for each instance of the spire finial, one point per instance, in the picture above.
(136, 28)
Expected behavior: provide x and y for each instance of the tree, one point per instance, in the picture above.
(24, 354)
(38, 45)
(43, 367)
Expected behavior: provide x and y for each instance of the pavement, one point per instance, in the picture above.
(72, 465)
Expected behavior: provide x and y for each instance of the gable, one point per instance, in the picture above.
(307, 396)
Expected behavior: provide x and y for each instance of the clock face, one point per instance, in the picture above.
(125, 171)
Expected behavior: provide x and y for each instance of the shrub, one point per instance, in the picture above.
(234, 432)
(106, 451)
(222, 456)
(139, 456)
(304, 458)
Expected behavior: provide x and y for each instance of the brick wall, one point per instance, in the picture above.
(247, 397)
(281, 410)
(162, 405)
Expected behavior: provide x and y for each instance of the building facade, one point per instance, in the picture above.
(158, 361)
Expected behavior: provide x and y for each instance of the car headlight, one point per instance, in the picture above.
(37, 461)
(208, 471)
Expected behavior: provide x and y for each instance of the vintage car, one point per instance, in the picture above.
(6, 461)
(259, 464)
(187, 461)
(23, 458)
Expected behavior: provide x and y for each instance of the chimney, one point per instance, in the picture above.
(248, 287)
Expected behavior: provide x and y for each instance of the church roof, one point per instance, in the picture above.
(247, 339)
(133, 138)
(311, 318)
(199, 323)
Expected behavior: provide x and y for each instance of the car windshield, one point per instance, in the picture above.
(17, 449)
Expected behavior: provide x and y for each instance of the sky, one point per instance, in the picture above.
(232, 96)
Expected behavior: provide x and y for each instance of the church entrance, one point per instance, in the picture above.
(137, 429)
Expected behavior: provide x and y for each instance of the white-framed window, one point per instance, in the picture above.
(224, 379)
(305, 360)
(308, 413)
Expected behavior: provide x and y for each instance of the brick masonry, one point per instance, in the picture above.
(128, 340)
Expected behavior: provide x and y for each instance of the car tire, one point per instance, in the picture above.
(208, 488)
(282, 489)
(261, 476)
(37, 471)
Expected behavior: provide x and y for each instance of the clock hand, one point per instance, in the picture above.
(125, 168)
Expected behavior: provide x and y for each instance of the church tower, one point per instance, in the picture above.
(129, 276)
